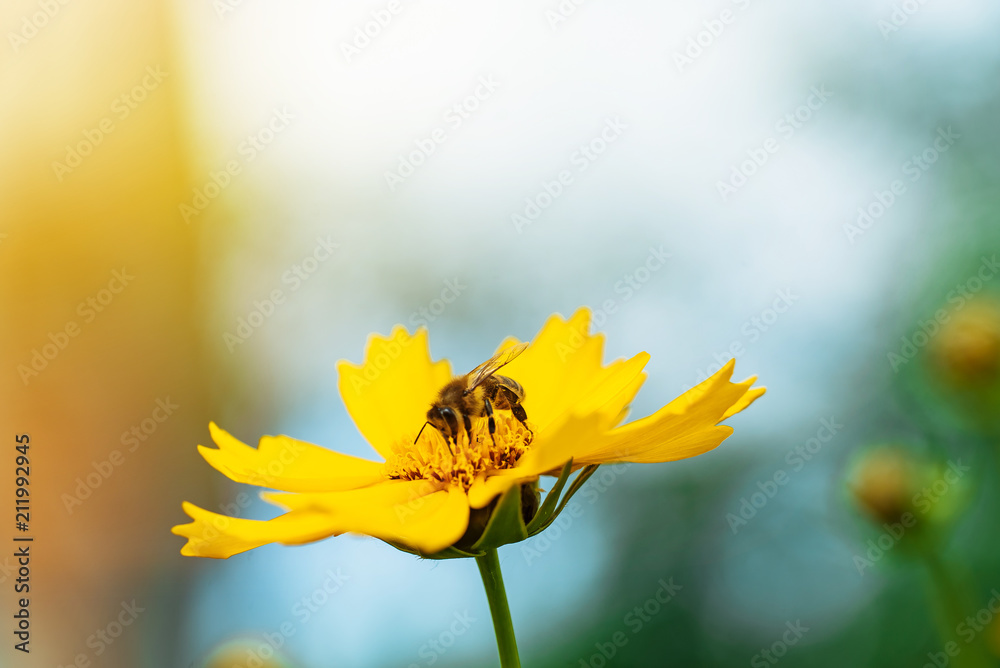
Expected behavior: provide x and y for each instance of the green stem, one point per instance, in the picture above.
(489, 568)
(953, 609)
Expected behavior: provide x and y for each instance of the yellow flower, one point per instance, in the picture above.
(441, 500)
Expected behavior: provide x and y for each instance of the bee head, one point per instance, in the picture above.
(445, 420)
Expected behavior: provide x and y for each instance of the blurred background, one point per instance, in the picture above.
(205, 205)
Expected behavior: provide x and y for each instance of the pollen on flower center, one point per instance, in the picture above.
(431, 459)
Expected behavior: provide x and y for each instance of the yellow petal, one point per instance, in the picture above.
(687, 426)
(387, 494)
(388, 395)
(395, 511)
(751, 396)
(220, 537)
(549, 452)
(285, 463)
(562, 373)
(420, 514)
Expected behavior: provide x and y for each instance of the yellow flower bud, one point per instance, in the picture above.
(968, 348)
(249, 652)
(893, 485)
(884, 482)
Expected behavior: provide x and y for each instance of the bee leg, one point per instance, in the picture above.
(447, 441)
(451, 423)
(468, 427)
(492, 423)
(522, 417)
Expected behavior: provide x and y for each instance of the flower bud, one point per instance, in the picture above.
(968, 348)
(993, 636)
(883, 483)
(260, 652)
(892, 485)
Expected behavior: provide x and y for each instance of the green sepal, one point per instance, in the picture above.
(578, 482)
(452, 553)
(506, 517)
(549, 506)
(447, 553)
(506, 523)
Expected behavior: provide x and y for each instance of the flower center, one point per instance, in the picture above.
(430, 458)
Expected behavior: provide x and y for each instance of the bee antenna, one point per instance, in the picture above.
(446, 441)
(420, 432)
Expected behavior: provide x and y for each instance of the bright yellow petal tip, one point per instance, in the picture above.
(285, 463)
(388, 394)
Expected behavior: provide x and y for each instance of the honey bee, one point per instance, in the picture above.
(476, 394)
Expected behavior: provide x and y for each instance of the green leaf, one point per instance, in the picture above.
(549, 506)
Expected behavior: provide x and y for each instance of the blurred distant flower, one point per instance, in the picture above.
(897, 487)
(968, 347)
(465, 497)
(993, 636)
(883, 483)
(913, 500)
(245, 652)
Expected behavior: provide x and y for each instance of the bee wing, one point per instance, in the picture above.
(493, 364)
